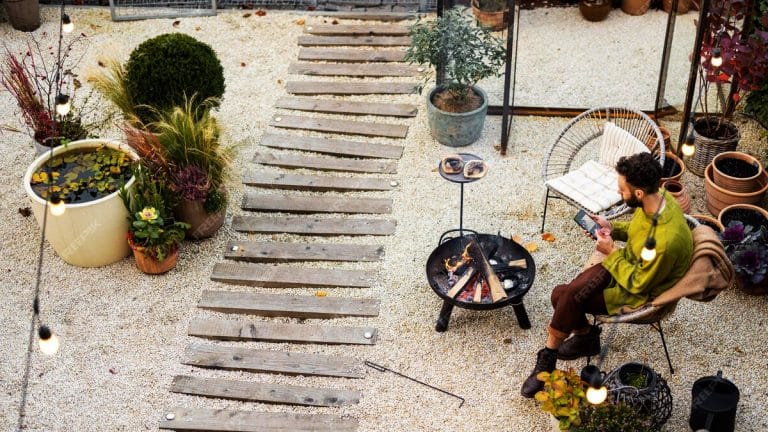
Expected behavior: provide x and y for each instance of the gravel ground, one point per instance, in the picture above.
(124, 333)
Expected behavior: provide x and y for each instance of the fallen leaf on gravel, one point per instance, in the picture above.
(548, 237)
(112, 371)
(434, 169)
(279, 81)
(497, 147)
(516, 238)
(300, 21)
(176, 23)
(738, 350)
(26, 211)
(508, 340)
(246, 15)
(320, 293)
(197, 28)
(261, 12)
(531, 247)
(100, 63)
(242, 64)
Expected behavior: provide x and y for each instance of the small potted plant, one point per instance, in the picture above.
(563, 396)
(610, 417)
(745, 238)
(153, 234)
(456, 109)
(490, 13)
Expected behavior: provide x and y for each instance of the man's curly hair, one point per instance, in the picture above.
(641, 170)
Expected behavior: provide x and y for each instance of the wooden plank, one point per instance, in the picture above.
(316, 183)
(274, 251)
(348, 127)
(355, 70)
(219, 420)
(388, 41)
(276, 332)
(324, 163)
(356, 30)
(315, 204)
(293, 363)
(335, 106)
(332, 146)
(314, 226)
(348, 88)
(263, 392)
(366, 16)
(272, 305)
(351, 55)
(282, 276)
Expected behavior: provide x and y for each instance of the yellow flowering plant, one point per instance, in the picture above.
(563, 396)
(152, 228)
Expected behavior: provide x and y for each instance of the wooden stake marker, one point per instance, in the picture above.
(314, 226)
(201, 419)
(263, 392)
(270, 276)
(271, 305)
(274, 251)
(277, 332)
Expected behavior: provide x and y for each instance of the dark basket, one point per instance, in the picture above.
(708, 148)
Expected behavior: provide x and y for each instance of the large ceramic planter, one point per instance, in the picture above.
(202, 224)
(23, 15)
(494, 20)
(731, 182)
(90, 234)
(595, 10)
(707, 148)
(709, 221)
(719, 198)
(727, 214)
(635, 7)
(456, 129)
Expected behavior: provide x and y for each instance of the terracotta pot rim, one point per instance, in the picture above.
(737, 155)
(709, 179)
(752, 207)
(143, 249)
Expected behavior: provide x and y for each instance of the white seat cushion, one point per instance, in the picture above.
(594, 186)
(617, 142)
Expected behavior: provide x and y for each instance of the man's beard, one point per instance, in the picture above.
(633, 202)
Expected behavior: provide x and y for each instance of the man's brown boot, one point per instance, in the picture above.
(545, 362)
(581, 345)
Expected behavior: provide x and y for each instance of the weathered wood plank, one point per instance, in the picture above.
(356, 30)
(346, 107)
(324, 163)
(277, 332)
(263, 392)
(348, 88)
(348, 127)
(388, 41)
(282, 276)
(351, 55)
(316, 183)
(366, 16)
(272, 305)
(314, 226)
(315, 204)
(274, 251)
(224, 357)
(217, 420)
(332, 146)
(355, 70)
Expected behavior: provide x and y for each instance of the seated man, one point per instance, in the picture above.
(623, 278)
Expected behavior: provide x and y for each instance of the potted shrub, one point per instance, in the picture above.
(563, 396)
(153, 234)
(610, 417)
(85, 177)
(745, 238)
(490, 13)
(643, 389)
(456, 110)
(595, 10)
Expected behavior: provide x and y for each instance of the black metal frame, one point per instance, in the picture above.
(654, 325)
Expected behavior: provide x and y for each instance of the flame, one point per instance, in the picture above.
(452, 263)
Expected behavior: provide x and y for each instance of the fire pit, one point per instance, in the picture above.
(480, 271)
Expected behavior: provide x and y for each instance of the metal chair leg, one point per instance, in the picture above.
(664, 344)
(544, 218)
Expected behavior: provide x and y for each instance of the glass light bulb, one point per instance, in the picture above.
(688, 150)
(66, 24)
(62, 105)
(648, 254)
(49, 346)
(597, 395)
(58, 208)
(716, 61)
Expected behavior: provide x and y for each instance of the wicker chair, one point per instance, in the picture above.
(579, 142)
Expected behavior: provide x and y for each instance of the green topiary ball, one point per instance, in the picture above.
(163, 69)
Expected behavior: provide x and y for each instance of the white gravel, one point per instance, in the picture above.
(124, 333)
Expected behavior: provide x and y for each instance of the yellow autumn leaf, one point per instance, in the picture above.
(300, 21)
(320, 293)
(548, 237)
(531, 247)
(516, 238)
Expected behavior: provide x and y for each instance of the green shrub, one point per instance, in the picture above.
(610, 417)
(163, 70)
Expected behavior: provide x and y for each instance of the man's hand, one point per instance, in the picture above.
(603, 222)
(604, 242)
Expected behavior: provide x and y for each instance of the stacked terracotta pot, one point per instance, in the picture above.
(725, 187)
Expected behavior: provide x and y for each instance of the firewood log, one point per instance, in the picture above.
(478, 292)
(480, 262)
(461, 283)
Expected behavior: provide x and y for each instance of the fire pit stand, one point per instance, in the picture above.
(461, 180)
(511, 263)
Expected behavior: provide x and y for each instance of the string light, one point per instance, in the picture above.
(62, 104)
(717, 59)
(66, 24)
(649, 249)
(57, 205)
(48, 342)
(597, 392)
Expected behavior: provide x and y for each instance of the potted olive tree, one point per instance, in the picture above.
(456, 109)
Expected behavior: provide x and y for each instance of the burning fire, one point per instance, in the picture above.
(452, 263)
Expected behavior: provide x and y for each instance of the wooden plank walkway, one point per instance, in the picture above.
(270, 276)
(314, 226)
(335, 106)
(348, 127)
(316, 183)
(272, 305)
(263, 392)
(274, 251)
(219, 420)
(356, 30)
(332, 146)
(315, 204)
(355, 70)
(351, 55)
(278, 332)
(293, 363)
(387, 41)
(366, 16)
(348, 88)
(325, 163)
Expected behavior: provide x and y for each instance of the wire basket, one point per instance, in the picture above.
(708, 148)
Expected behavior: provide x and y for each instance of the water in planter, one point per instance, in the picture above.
(78, 177)
(736, 167)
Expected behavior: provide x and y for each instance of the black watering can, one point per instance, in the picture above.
(713, 404)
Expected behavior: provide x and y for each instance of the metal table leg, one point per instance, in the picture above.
(444, 317)
(521, 315)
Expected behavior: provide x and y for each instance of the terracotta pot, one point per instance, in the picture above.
(595, 11)
(203, 225)
(672, 158)
(719, 198)
(149, 265)
(709, 221)
(636, 7)
(737, 184)
(682, 6)
(494, 20)
(651, 141)
(725, 220)
(680, 193)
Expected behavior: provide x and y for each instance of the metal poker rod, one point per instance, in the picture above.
(381, 368)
